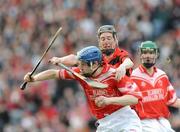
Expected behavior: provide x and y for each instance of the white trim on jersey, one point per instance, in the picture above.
(62, 75)
(137, 74)
(141, 78)
(172, 100)
(170, 87)
(106, 76)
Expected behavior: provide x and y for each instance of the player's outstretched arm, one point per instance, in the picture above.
(45, 75)
(124, 100)
(69, 60)
(121, 70)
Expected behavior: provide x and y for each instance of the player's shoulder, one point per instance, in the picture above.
(107, 74)
(160, 71)
(138, 72)
(120, 50)
(125, 80)
(120, 53)
(110, 69)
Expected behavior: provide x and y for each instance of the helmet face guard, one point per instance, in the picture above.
(148, 53)
(106, 28)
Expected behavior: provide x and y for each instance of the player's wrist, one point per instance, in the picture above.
(32, 79)
(109, 101)
(123, 66)
(60, 60)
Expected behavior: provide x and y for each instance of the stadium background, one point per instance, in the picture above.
(59, 106)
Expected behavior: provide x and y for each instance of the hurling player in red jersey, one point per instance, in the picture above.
(157, 91)
(109, 105)
(112, 54)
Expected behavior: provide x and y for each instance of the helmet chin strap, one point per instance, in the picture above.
(95, 69)
(91, 74)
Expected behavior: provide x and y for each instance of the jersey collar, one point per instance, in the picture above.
(143, 70)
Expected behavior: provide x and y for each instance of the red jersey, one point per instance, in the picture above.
(157, 93)
(115, 89)
(117, 59)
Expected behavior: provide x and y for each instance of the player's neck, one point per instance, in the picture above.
(150, 71)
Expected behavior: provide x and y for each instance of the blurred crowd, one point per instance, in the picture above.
(26, 28)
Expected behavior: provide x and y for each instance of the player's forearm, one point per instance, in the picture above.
(128, 63)
(123, 100)
(46, 75)
(176, 103)
(69, 60)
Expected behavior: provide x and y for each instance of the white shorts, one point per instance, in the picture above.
(122, 120)
(156, 125)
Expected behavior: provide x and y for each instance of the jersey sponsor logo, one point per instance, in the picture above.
(103, 92)
(153, 95)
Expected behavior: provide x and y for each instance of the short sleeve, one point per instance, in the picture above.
(64, 74)
(171, 95)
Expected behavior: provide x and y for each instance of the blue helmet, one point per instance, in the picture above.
(90, 54)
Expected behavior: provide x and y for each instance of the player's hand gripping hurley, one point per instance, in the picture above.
(90, 82)
(23, 86)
